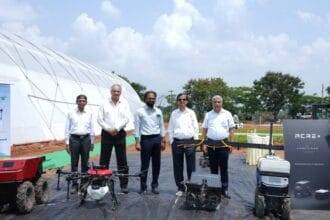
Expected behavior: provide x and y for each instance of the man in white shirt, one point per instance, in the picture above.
(183, 127)
(150, 139)
(116, 119)
(79, 135)
(218, 126)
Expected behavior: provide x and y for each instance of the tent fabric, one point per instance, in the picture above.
(44, 85)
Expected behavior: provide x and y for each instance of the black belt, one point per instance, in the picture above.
(119, 134)
(81, 136)
(185, 139)
(212, 142)
(149, 136)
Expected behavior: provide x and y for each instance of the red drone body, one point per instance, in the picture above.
(97, 171)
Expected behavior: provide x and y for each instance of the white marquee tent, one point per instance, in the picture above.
(42, 85)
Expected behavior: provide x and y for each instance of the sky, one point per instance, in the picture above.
(162, 44)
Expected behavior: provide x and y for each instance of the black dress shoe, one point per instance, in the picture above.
(155, 190)
(124, 190)
(143, 191)
(225, 194)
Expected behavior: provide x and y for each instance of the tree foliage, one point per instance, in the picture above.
(139, 88)
(244, 103)
(201, 91)
(276, 90)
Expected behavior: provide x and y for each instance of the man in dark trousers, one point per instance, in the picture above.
(183, 127)
(79, 136)
(150, 139)
(116, 119)
(218, 126)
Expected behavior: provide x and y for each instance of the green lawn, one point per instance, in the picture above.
(263, 131)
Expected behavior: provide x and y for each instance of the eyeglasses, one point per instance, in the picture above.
(182, 100)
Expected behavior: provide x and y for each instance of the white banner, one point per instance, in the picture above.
(5, 120)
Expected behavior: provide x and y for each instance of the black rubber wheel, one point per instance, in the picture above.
(42, 190)
(25, 197)
(259, 205)
(286, 209)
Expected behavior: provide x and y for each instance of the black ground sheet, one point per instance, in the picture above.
(163, 206)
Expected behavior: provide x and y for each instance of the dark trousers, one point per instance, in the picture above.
(79, 147)
(119, 142)
(218, 157)
(150, 148)
(178, 153)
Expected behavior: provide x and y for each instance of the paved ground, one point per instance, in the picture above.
(164, 206)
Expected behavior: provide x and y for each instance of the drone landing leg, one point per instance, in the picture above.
(58, 181)
(83, 189)
(114, 200)
(68, 190)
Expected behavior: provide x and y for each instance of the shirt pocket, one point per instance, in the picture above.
(224, 124)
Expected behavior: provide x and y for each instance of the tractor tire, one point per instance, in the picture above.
(25, 197)
(260, 205)
(42, 190)
(286, 209)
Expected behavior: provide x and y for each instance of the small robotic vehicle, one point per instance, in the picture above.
(272, 191)
(322, 194)
(22, 184)
(302, 189)
(204, 160)
(202, 192)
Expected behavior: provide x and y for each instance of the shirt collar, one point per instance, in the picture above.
(148, 108)
(221, 111)
(111, 102)
(77, 110)
(185, 110)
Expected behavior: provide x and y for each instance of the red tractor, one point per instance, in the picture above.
(22, 184)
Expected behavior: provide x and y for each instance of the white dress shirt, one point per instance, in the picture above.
(115, 116)
(218, 124)
(183, 125)
(79, 123)
(148, 121)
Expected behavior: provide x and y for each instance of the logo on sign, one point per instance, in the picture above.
(306, 136)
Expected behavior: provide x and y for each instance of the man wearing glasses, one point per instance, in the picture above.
(116, 119)
(183, 127)
(150, 139)
(79, 136)
(218, 126)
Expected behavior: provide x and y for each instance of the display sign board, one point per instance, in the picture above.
(5, 120)
(306, 145)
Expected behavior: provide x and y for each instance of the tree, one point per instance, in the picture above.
(327, 99)
(169, 107)
(244, 103)
(276, 90)
(307, 101)
(201, 92)
(139, 88)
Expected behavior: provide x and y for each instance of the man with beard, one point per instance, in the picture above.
(149, 135)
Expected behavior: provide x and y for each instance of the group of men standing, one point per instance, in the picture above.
(115, 119)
